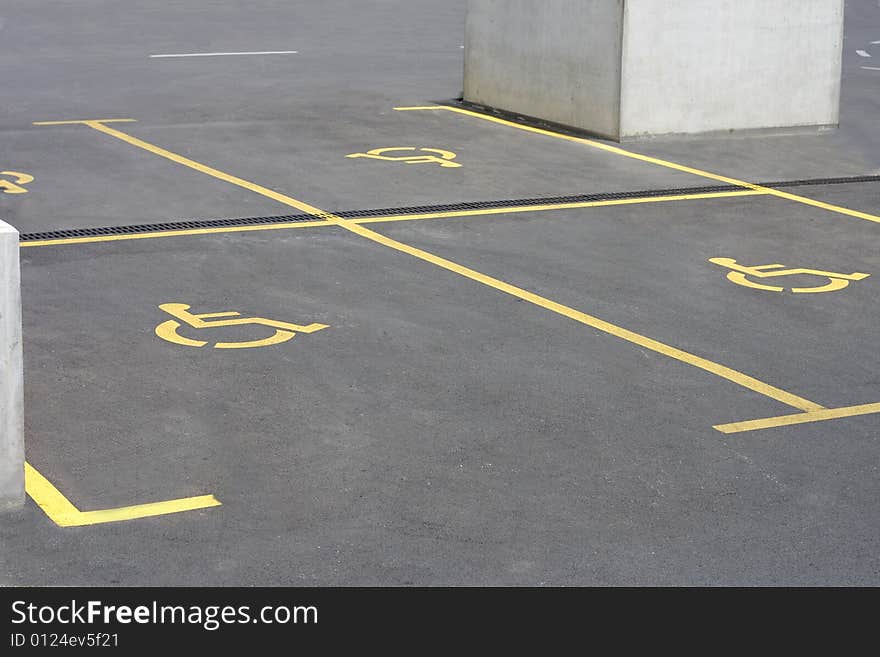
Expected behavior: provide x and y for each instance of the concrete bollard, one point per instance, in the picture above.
(11, 373)
(625, 69)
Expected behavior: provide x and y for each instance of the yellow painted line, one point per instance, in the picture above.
(824, 206)
(799, 418)
(47, 497)
(672, 352)
(64, 514)
(390, 218)
(145, 510)
(653, 160)
(210, 171)
(85, 121)
(174, 233)
(594, 322)
(552, 206)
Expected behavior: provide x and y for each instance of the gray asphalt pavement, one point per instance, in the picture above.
(499, 395)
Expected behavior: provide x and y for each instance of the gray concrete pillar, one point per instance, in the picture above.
(11, 374)
(626, 69)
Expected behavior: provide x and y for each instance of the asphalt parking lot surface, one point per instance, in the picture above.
(302, 319)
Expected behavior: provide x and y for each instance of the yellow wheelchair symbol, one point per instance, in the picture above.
(15, 187)
(836, 281)
(443, 158)
(167, 330)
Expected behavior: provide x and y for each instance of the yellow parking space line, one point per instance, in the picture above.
(799, 418)
(144, 510)
(64, 514)
(594, 322)
(394, 217)
(210, 171)
(552, 206)
(822, 205)
(47, 497)
(647, 343)
(85, 121)
(652, 160)
(174, 233)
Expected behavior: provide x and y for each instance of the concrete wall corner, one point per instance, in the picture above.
(12, 488)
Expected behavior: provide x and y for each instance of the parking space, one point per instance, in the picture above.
(81, 180)
(349, 161)
(545, 360)
(648, 267)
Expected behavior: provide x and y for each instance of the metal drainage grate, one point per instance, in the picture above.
(526, 202)
(194, 224)
(823, 181)
(188, 224)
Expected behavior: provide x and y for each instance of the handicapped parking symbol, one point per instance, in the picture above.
(167, 330)
(9, 187)
(443, 158)
(836, 281)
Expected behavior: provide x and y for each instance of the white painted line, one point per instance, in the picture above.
(870, 68)
(874, 43)
(223, 54)
(862, 53)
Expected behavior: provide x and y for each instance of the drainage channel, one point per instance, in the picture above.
(190, 224)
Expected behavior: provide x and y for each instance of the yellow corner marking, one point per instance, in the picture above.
(836, 281)
(653, 160)
(64, 514)
(594, 322)
(798, 418)
(394, 217)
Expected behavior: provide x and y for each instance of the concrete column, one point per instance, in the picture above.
(626, 69)
(11, 374)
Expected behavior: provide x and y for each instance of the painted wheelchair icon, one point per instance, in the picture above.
(441, 157)
(739, 275)
(167, 330)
